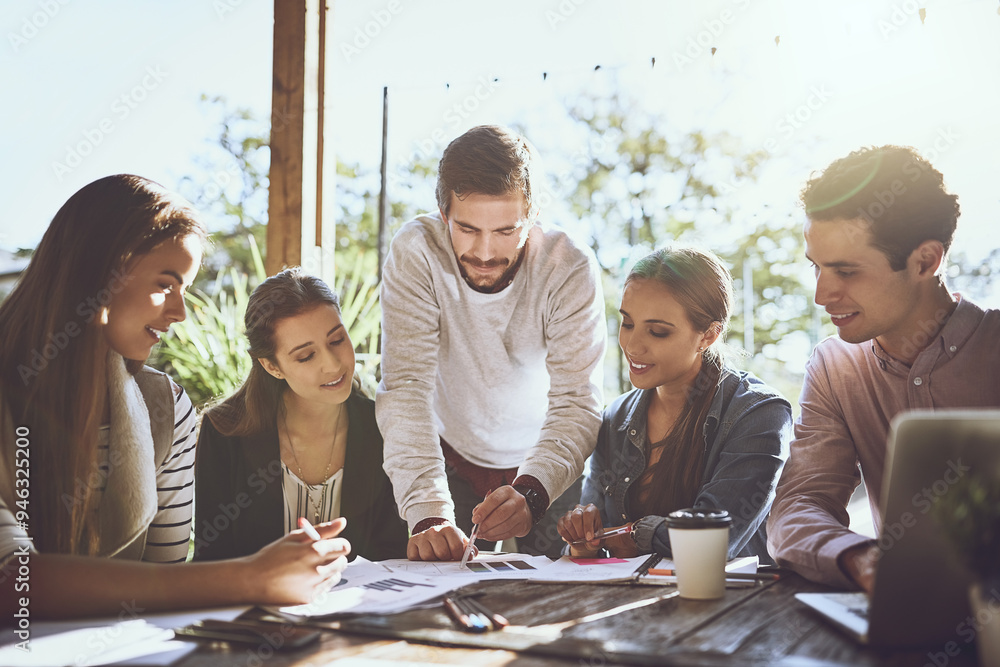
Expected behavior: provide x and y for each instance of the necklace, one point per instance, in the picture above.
(317, 508)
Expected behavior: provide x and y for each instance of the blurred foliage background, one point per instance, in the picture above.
(631, 182)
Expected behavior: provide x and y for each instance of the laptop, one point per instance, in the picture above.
(921, 589)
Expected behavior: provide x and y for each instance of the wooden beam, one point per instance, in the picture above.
(301, 219)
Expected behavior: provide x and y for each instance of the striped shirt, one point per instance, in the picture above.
(169, 534)
(316, 502)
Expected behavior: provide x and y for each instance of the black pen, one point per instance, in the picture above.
(646, 564)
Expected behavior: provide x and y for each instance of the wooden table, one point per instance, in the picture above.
(641, 625)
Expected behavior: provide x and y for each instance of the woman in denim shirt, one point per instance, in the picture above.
(695, 432)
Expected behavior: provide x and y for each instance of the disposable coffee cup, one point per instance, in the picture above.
(699, 540)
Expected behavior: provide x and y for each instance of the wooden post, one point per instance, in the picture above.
(300, 229)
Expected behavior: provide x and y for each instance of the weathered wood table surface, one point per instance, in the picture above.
(571, 624)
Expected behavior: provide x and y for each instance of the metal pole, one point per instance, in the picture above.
(383, 199)
(748, 340)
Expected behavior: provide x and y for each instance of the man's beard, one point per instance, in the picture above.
(498, 284)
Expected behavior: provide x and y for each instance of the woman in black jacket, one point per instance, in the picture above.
(298, 439)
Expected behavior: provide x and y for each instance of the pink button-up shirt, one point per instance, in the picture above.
(851, 393)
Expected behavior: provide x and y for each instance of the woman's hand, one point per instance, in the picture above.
(621, 546)
(581, 523)
(295, 569)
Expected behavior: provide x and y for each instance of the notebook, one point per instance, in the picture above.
(920, 596)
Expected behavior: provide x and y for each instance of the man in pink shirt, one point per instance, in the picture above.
(879, 226)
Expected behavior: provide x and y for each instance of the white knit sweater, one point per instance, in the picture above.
(511, 379)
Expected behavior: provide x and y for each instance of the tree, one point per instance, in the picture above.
(637, 183)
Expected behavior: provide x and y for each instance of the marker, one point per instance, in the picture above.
(308, 529)
(463, 619)
(496, 619)
(475, 615)
(611, 532)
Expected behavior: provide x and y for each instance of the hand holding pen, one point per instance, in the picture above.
(298, 566)
(582, 529)
(504, 513)
(603, 534)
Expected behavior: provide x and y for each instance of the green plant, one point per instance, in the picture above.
(362, 316)
(969, 514)
(207, 353)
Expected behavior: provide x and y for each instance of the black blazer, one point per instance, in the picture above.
(239, 504)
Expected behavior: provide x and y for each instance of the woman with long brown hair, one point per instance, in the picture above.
(97, 450)
(298, 438)
(695, 432)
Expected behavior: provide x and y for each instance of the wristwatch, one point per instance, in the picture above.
(535, 502)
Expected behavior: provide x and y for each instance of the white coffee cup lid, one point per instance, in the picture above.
(699, 518)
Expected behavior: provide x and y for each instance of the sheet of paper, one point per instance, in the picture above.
(584, 570)
(132, 638)
(483, 566)
(100, 645)
(371, 588)
(590, 569)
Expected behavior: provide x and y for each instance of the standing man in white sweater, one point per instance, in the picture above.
(493, 338)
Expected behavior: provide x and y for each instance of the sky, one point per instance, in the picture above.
(94, 88)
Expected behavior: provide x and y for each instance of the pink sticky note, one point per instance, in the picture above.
(597, 561)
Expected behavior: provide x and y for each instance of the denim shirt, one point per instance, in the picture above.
(747, 433)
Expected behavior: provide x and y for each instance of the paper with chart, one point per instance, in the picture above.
(587, 570)
(390, 586)
(370, 588)
(482, 567)
(616, 570)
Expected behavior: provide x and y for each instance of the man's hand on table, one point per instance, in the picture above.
(859, 563)
(442, 542)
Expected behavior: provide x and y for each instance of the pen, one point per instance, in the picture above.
(475, 615)
(747, 576)
(653, 559)
(460, 617)
(308, 529)
(497, 620)
(611, 532)
(472, 538)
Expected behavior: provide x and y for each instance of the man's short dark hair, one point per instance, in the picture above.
(489, 160)
(893, 192)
